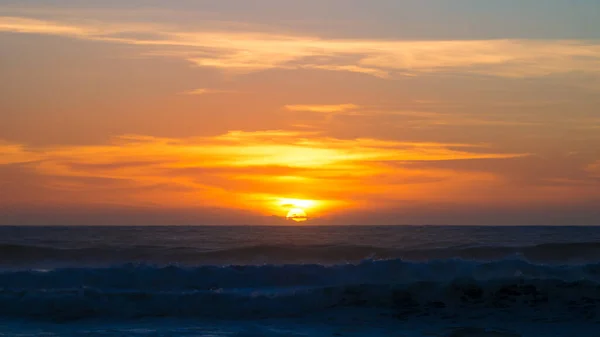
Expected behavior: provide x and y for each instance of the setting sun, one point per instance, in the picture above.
(297, 208)
(297, 214)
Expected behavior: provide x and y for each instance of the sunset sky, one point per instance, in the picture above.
(356, 112)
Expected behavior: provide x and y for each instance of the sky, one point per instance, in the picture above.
(380, 112)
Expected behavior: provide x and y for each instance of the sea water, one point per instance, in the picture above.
(300, 281)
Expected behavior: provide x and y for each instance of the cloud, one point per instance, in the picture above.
(245, 170)
(204, 91)
(92, 30)
(32, 26)
(381, 73)
(256, 170)
(420, 119)
(594, 169)
(254, 51)
(16, 154)
(322, 108)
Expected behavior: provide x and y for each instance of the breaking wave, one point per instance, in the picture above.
(444, 287)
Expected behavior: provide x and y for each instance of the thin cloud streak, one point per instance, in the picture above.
(205, 91)
(594, 169)
(333, 108)
(250, 52)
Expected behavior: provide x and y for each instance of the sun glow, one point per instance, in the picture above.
(297, 208)
(297, 203)
(297, 214)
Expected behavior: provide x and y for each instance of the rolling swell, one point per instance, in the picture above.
(450, 287)
(29, 256)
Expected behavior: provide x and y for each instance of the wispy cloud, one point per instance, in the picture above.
(32, 26)
(332, 108)
(432, 119)
(205, 91)
(594, 169)
(248, 52)
(382, 73)
(419, 118)
(16, 154)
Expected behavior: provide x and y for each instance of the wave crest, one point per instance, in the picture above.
(42, 256)
(452, 287)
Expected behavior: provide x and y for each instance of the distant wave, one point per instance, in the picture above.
(449, 287)
(46, 256)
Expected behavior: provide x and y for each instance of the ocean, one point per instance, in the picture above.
(400, 281)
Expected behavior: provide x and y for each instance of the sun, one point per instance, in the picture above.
(297, 214)
(296, 208)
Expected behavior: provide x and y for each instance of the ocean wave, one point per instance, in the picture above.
(39, 256)
(451, 287)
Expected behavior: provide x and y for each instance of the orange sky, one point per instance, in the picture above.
(193, 113)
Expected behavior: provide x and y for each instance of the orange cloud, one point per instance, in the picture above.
(322, 108)
(32, 26)
(204, 91)
(594, 169)
(247, 170)
(16, 154)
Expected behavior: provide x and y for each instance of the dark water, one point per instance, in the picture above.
(306, 281)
